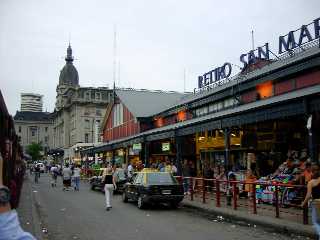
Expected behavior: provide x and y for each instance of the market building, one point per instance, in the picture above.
(129, 114)
(252, 120)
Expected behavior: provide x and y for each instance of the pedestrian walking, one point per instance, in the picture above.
(186, 176)
(109, 186)
(130, 171)
(66, 177)
(36, 173)
(54, 175)
(76, 177)
(313, 192)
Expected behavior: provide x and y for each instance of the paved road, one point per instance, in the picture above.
(82, 215)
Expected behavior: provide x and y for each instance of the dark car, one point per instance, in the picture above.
(120, 179)
(150, 187)
(96, 181)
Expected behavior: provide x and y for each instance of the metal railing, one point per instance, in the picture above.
(246, 194)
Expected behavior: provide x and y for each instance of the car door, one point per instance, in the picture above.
(130, 186)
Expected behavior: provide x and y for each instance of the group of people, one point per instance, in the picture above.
(69, 175)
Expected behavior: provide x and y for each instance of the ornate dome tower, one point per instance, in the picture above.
(69, 74)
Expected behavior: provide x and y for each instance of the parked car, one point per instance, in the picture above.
(96, 181)
(150, 187)
(120, 179)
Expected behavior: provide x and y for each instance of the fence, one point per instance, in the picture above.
(277, 199)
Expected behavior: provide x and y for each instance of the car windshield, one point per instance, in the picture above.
(160, 178)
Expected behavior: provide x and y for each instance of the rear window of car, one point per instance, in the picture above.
(160, 178)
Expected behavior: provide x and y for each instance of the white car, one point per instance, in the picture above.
(42, 167)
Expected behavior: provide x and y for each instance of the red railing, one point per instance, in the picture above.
(217, 190)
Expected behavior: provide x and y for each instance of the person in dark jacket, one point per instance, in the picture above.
(186, 176)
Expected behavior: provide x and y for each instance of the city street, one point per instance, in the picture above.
(81, 215)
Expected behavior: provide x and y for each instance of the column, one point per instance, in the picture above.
(227, 148)
(146, 146)
(178, 162)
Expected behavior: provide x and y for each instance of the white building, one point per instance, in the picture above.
(31, 102)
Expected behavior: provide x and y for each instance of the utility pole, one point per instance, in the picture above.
(252, 39)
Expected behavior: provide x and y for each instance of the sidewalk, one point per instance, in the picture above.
(244, 216)
(28, 210)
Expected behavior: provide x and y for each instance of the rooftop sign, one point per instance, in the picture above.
(220, 75)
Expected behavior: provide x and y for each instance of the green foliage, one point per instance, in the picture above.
(34, 151)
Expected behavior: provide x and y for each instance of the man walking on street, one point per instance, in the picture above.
(66, 177)
(54, 174)
(76, 177)
(36, 173)
(186, 176)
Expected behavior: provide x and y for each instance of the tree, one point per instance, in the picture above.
(34, 151)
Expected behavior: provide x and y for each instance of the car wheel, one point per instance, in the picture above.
(92, 187)
(175, 205)
(141, 204)
(124, 197)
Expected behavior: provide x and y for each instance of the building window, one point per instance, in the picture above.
(19, 129)
(98, 112)
(98, 96)
(86, 111)
(46, 129)
(87, 123)
(117, 114)
(46, 139)
(33, 133)
(87, 95)
(86, 138)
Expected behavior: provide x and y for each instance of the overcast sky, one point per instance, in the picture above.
(156, 40)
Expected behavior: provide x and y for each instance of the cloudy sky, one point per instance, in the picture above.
(157, 41)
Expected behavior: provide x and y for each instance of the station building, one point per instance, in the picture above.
(265, 112)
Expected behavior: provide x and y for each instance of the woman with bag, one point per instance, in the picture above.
(109, 186)
(313, 191)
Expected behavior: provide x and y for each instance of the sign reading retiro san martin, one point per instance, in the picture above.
(294, 39)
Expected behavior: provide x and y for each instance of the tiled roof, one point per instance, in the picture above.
(33, 116)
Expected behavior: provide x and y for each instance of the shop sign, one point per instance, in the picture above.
(136, 146)
(220, 75)
(165, 147)
(120, 152)
(215, 76)
(300, 36)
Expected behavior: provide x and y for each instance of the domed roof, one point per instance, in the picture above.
(69, 74)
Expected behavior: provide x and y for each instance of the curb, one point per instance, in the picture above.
(252, 220)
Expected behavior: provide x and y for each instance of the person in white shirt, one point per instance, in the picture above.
(66, 176)
(76, 177)
(130, 171)
(54, 174)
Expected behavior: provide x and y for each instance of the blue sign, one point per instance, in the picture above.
(252, 56)
(290, 41)
(215, 75)
(293, 39)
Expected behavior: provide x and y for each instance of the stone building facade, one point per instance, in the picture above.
(79, 110)
(34, 127)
